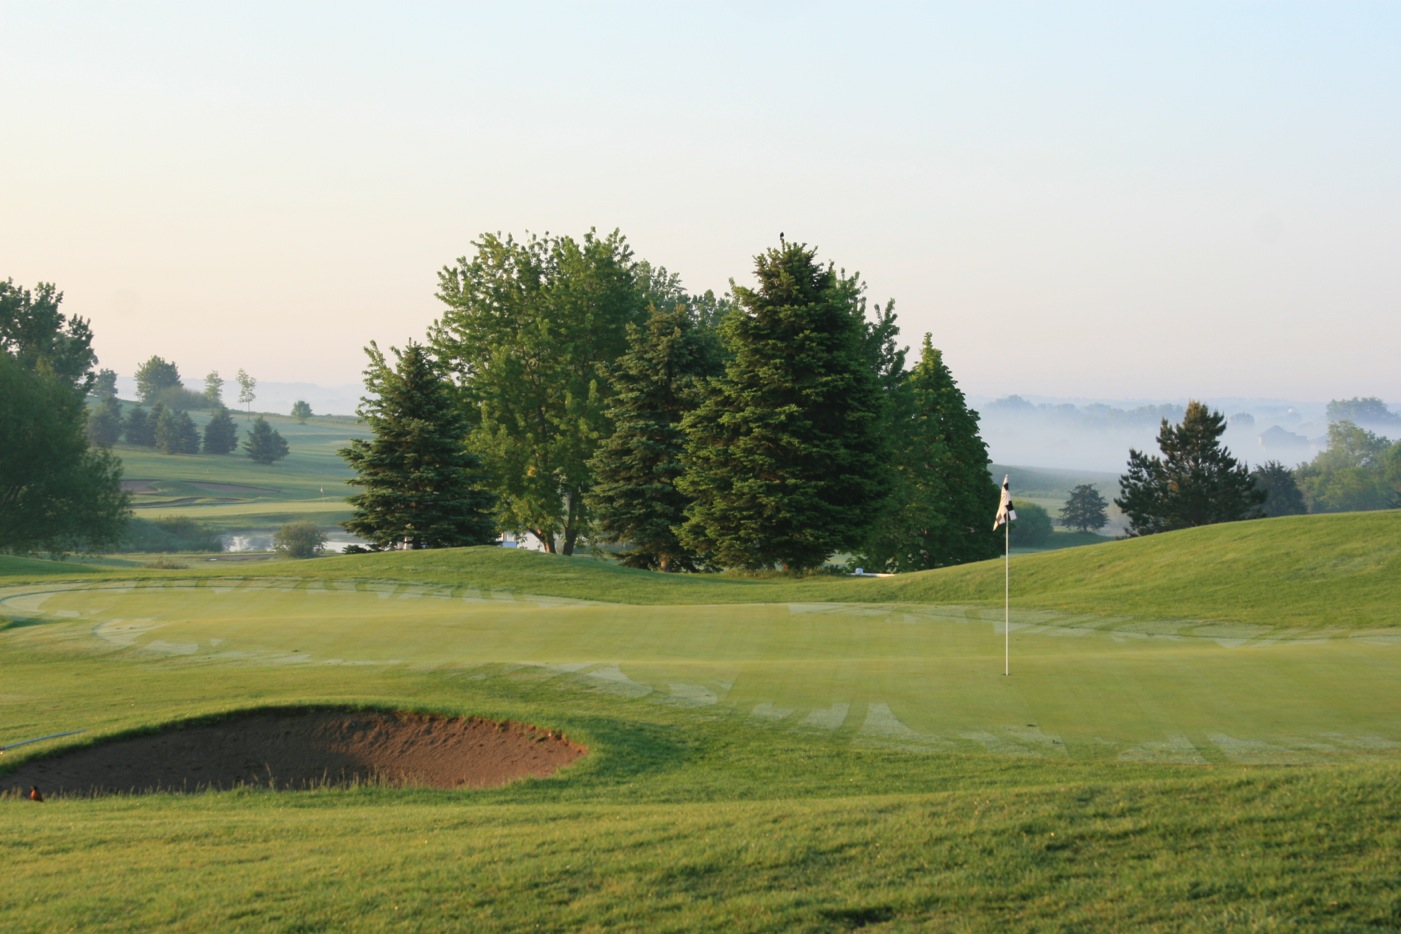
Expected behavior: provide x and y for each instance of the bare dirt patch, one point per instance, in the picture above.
(293, 750)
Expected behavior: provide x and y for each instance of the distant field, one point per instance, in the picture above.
(1200, 731)
(235, 495)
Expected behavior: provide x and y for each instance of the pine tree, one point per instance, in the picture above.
(220, 432)
(635, 498)
(782, 458)
(139, 429)
(421, 486)
(176, 433)
(942, 494)
(1196, 481)
(265, 444)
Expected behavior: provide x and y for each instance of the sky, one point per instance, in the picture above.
(1149, 201)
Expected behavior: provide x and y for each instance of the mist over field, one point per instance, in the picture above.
(1096, 435)
(1027, 431)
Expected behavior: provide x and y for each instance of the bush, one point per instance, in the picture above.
(1032, 528)
(177, 533)
(299, 540)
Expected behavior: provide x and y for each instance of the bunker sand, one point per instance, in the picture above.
(298, 749)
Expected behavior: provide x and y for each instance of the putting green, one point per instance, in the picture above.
(921, 677)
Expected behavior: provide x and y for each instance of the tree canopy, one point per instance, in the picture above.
(1196, 481)
(942, 494)
(783, 456)
(528, 332)
(1358, 471)
(58, 494)
(635, 497)
(41, 339)
(420, 486)
(1085, 509)
(264, 443)
(154, 377)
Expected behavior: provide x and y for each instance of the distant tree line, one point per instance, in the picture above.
(1196, 481)
(576, 393)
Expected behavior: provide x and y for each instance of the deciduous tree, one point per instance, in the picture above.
(154, 377)
(246, 385)
(57, 493)
(1282, 494)
(299, 540)
(301, 411)
(1085, 509)
(420, 485)
(41, 339)
(528, 331)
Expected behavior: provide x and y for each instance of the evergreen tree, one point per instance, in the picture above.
(265, 444)
(635, 498)
(105, 422)
(1196, 481)
(139, 429)
(176, 433)
(421, 486)
(942, 494)
(220, 432)
(782, 458)
(1282, 494)
(1085, 509)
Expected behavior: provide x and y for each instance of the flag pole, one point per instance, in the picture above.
(1007, 599)
(1006, 515)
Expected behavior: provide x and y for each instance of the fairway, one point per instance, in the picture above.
(921, 678)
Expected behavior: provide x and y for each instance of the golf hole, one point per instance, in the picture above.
(301, 749)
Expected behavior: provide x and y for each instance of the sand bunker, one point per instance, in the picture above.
(298, 749)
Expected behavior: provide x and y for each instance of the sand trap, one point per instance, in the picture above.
(297, 749)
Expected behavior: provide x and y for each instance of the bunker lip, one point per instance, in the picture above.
(295, 749)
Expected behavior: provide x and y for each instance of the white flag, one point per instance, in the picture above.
(1005, 512)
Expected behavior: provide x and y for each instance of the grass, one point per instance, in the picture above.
(234, 494)
(1193, 750)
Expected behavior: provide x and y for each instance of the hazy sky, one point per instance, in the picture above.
(1112, 200)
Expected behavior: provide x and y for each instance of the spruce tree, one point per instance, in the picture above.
(635, 498)
(138, 428)
(782, 458)
(420, 485)
(220, 432)
(265, 444)
(1196, 481)
(176, 433)
(943, 496)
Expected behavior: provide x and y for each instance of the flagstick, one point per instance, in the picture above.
(1007, 599)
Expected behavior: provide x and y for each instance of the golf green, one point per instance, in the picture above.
(922, 677)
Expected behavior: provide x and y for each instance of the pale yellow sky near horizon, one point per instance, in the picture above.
(1160, 200)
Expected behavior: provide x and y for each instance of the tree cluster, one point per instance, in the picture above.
(598, 401)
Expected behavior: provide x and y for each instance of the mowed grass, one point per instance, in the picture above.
(233, 493)
(766, 754)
